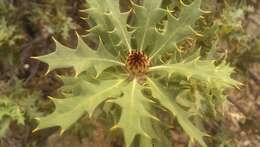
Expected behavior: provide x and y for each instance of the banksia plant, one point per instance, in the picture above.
(139, 66)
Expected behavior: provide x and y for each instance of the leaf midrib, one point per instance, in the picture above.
(122, 29)
(166, 42)
(108, 60)
(95, 95)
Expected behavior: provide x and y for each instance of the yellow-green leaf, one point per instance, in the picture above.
(133, 111)
(203, 70)
(88, 97)
(182, 116)
(81, 58)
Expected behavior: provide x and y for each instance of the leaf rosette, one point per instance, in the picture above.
(131, 56)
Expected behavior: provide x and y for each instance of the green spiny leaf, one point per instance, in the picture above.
(81, 58)
(133, 111)
(147, 16)
(108, 17)
(203, 70)
(88, 97)
(177, 29)
(182, 116)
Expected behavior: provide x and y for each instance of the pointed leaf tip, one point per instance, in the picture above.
(35, 130)
(61, 132)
